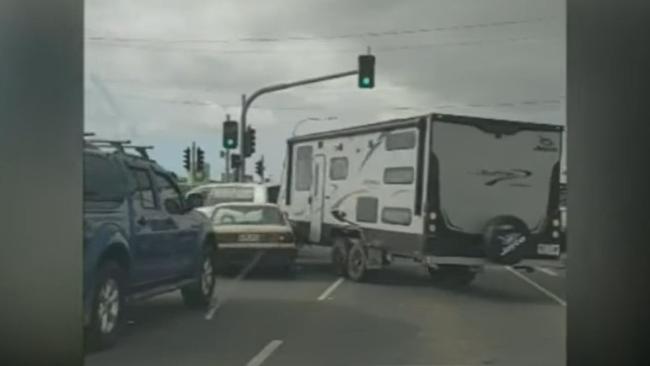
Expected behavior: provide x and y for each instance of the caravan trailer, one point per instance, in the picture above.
(451, 192)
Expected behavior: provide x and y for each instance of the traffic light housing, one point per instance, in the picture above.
(249, 141)
(235, 161)
(259, 168)
(230, 135)
(200, 159)
(187, 159)
(366, 71)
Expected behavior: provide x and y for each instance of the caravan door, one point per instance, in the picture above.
(316, 199)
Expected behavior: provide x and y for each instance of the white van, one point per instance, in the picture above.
(216, 193)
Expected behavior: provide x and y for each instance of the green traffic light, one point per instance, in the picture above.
(366, 81)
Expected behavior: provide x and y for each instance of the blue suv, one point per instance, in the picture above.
(141, 239)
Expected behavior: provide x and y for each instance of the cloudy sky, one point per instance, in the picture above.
(166, 72)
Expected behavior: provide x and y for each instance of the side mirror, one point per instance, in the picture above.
(194, 200)
(173, 206)
(339, 215)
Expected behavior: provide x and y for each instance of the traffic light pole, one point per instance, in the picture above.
(192, 163)
(246, 103)
(227, 165)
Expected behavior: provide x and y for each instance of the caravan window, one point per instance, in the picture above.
(400, 141)
(399, 175)
(338, 168)
(367, 209)
(396, 216)
(303, 168)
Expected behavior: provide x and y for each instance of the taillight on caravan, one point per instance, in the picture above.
(431, 227)
(555, 226)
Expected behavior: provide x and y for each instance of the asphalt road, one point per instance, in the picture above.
(315, 318)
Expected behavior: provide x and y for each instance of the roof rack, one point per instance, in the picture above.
(119, 145)
(142, 150)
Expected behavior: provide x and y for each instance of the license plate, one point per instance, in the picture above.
(548, 249)
(249, 237)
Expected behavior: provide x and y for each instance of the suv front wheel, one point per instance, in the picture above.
(107, 306)
(199, 294)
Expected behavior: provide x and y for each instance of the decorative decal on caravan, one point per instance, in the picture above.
(373, 145)
(338, 203)
(498, 176)
(546, 144)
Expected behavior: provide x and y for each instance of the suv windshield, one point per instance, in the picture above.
(219, 195)
(247, 215)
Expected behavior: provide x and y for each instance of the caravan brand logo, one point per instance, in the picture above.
(497, 176)
(510, 242)
(545, 144)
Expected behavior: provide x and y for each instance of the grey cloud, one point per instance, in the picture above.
(161, 83)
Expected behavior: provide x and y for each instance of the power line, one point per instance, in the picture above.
(377, 49)
(372, 34)
(199, 103)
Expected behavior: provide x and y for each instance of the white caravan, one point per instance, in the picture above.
(454, 193)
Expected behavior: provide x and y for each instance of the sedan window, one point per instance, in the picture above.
(247, 215)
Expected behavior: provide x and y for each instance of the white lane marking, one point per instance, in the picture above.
(265, 353)
(213, 309)
(547, 271)
(218, 302)
(429, 364)
(537, 286)
(330, 289)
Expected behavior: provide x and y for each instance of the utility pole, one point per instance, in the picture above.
(246, 103)
(228, 179)
(242, 133)
(192, 163)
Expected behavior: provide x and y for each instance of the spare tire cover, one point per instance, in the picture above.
(505, 239)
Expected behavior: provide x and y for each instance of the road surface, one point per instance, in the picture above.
(315, 318)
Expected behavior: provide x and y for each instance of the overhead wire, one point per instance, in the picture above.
(373, 34)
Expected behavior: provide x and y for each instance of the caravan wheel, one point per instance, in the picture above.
(357, 259)
(339, 257)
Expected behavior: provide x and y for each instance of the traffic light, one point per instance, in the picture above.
(366, 71)
(259, 168)
(186, 159)
(235, 161)
(230, 135)
(249, 141)
(200, 159)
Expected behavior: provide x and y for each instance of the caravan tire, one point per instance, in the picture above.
(452, 276)
(339, 257)
(505, 240)
(357, 258)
